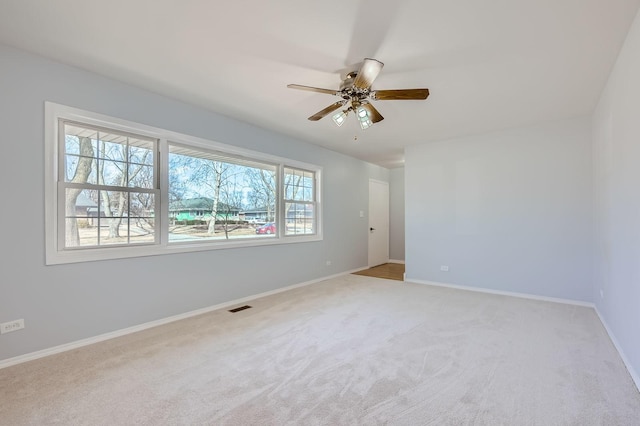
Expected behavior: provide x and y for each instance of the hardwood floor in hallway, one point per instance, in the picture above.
(390, 271)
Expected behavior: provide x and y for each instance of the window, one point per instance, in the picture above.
(210, 193)
(107, 187)
(120, 189)
(299, 201)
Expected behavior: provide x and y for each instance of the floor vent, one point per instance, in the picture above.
(241, 308)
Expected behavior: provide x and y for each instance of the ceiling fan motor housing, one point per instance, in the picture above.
(349, 92)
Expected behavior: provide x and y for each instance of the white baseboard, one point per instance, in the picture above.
(396, 261)
(129, 330)
(502, 293)
(634, 374)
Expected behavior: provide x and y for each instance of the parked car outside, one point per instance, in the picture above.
(267, 228)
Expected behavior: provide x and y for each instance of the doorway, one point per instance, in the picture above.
(378, 222)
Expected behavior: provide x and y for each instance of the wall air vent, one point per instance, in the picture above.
(240, 308)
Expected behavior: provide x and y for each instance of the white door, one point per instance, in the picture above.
(378, 222)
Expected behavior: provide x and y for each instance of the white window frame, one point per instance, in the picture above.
(63, 185)
(286, 200)
(56, 255)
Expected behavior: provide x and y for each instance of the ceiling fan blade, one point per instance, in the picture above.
(312, 89)
(328, 110)
(373, 112)
(401, 94)
(367, 73)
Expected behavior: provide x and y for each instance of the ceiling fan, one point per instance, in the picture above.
(355, 91)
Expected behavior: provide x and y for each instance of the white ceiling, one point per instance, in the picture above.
(489, 65)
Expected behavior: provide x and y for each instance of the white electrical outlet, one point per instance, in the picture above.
(328, 263)
(8, 327)
(444, 268)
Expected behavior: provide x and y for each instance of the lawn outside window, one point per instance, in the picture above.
(115, 188)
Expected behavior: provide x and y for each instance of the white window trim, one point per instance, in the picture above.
(54, 112)
(285, 200)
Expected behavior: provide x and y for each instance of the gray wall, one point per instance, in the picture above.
(617, 193)
(507, 211)
(65, 303)
(396, 214)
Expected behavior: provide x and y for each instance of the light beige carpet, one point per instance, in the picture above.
(349, 351)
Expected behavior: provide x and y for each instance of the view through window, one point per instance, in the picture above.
(215, 196)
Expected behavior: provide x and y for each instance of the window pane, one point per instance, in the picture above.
(140, 151)
(110, 150)
(113, 203)
(300, 218)
(76, 164)
(111, 172)
(213, 197)
(141, 217)
(79, 161)
(95, 217)
(101, 157)
(299, 190)
(141, 166)
(141, 176)
(72, 144)
(85, 232)
(298, 185)
(114, 231)
(80, 218)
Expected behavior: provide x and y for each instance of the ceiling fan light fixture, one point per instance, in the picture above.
(340, 117)
(363, 118)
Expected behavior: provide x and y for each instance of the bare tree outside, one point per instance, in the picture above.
(232, 196)
(80, 175)
(262, 185)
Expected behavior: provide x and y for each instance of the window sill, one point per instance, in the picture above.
(90, 255)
